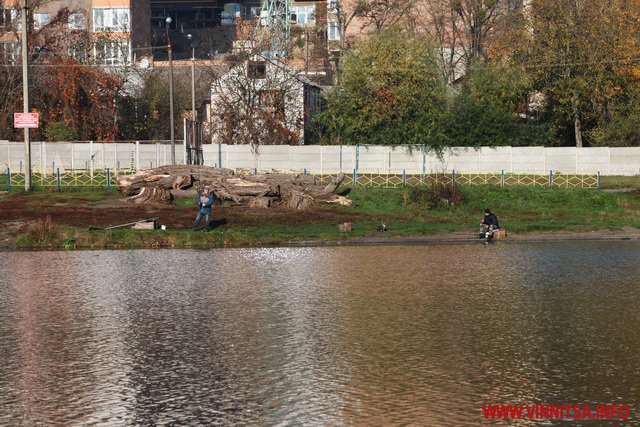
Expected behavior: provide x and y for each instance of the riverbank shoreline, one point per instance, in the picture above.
(102, 220)
(455, 238)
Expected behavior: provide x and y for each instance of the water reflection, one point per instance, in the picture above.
(366, 335)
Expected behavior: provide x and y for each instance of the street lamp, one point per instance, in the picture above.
(173, 141)
(193, 149)
(193, 78)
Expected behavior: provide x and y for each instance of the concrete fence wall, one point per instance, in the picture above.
(47, 157)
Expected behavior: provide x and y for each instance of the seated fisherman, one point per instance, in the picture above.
(489, 222)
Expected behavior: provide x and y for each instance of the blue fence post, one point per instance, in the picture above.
(255, 171)
(9, 179)
(550, 177)
(404, 177)
(108, 180)
(21, 167)
(502, 178)
(355, 177)
(305, 171)
(58, 180)
(357, 156)
(340, 158)
(219, 155)
(453, 176)
(598, 181)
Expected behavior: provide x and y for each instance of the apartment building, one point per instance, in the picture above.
(124, 31)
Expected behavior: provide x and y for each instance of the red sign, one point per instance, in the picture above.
(25, 120)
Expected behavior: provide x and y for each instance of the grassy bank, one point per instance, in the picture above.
(407, 212)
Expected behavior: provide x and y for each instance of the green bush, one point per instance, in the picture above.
(59, 131)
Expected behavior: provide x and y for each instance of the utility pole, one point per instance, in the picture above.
(173, 139)
(25, 96)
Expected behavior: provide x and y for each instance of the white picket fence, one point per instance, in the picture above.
(317, 159)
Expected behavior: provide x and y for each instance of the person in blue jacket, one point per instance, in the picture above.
(204, 202)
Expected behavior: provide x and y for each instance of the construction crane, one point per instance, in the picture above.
(273, 29)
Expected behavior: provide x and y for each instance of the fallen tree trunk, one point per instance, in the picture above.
(162, 184)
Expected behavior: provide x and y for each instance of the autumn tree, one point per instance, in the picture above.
(492, 109)
(145, 111)
(467, 30)
(64, 88)
(391, 92)
(582, 57)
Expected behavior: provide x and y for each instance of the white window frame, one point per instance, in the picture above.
(308, 12)
(10, 51)
(40, 20)
(111, 19)
(333, 30)
(76, 21)
(112, 52)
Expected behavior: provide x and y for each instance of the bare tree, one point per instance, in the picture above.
(259, 101)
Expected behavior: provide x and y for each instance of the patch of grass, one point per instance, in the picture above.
(607, 182)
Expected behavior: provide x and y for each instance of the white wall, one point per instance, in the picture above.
(329, 159)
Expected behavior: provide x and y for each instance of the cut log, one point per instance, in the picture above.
(260, 202)
(300, 201)
(338, 200)
(152, 195)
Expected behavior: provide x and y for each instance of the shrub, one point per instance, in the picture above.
(436, 196)
(448, 194)
(59, 131)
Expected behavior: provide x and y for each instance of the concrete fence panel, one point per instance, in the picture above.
(623, 161)
(560, 159)
(592, 160)
(411, 160)
(304, 157)
(494, 159)
(528, 160)
(373, 159)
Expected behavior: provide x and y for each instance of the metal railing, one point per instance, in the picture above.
(105, 179)
(503, 179)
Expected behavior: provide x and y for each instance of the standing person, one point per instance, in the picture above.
(489, 223)
(204, 202)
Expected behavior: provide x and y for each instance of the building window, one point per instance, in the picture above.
(78, 52)
(9, 52)
(111, 52)
(254, 12)
(257, 70)
(40, 20)
(333, 31)
(111, 19)
(304, 15)
(76, 21)
(9, 19)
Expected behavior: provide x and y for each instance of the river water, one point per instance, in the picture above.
(372, 335)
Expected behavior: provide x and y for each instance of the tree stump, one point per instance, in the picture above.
(345, 227)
